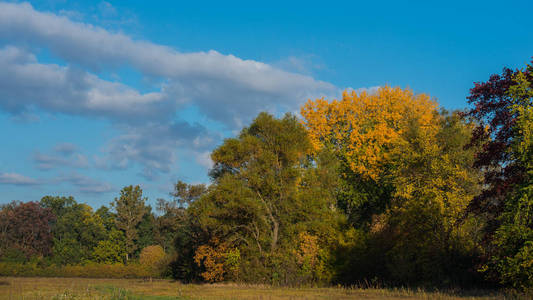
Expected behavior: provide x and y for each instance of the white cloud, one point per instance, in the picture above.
(63, 155)
(224, 88)
(24, 83)
(47, 162)
(204, 159)
(16, 179)
(155, 146)
(85, 184)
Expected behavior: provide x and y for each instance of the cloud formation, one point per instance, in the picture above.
(16, 179)
(63, 155)
(24, 83)
(86, 184)
(206, 78)
(223, 88)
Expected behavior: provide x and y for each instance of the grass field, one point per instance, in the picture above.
(82, 288)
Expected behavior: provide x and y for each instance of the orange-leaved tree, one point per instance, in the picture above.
(403, 164)
(212, 256)
(368, 127)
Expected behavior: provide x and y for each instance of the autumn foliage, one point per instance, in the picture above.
(26, 227)
(381, 187)
(212, 258)
(368, 128)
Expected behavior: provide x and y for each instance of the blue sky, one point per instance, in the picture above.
(98, 95)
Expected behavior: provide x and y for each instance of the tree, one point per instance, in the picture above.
(173, 213)
(495, 133)
(152, 255)
(212, 257)
(107, 216)
(26, 227)
(59, 205)
(130, 208)
(146, 230)
(511, 248)
(262, 166)
(368, 128)
(184, 194)
(77, 229)
(406, 180)
(266, 189)
(367, 132)
(112, 249)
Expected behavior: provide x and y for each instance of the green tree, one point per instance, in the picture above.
(112, 249)
(107, 216)
(512, 247)
(146, 230)
(267, 188)
(173, 218)
(76, 231)
(130, 208)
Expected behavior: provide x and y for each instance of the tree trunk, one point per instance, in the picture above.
(275, 230)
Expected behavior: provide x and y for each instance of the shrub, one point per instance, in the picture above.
(154, 259)
(91, 270)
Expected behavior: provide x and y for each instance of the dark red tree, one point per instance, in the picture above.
(494, 134)
(26, 227)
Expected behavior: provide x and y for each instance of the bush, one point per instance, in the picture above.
(154, 259)
(91, 270)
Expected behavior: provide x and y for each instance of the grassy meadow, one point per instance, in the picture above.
(83, 288)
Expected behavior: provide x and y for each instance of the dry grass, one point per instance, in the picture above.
(83, 288)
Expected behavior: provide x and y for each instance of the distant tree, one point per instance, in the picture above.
(77, 229)
(112, 249)
(59, 205)
(146, 230)
(107, 216)
(130, 208)
(173, 213)
(152, 255)
(26, 227)
(184, 194)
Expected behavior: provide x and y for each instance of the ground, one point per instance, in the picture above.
(83, 288)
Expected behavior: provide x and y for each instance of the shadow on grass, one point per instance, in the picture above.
(4, 283)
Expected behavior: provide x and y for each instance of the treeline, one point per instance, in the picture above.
(59, 231)
(382, 188)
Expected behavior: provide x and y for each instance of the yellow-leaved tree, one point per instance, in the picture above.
(406, 175)
(368, 128)
(153, 258)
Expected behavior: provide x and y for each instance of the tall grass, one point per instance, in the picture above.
(85, 288)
